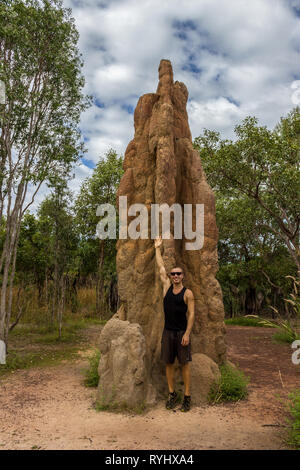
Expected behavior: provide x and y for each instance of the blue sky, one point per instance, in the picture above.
(236, 57)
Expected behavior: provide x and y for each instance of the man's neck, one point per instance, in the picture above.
(177, 287)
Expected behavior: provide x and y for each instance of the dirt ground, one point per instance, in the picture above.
(50, 408)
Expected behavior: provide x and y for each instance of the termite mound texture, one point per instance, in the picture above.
(161, 166)
(123, 372)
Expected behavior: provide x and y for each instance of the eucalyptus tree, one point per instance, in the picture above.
(261, 170)
(56, 225)
(253, 262)
(100, 188)
(41, 68)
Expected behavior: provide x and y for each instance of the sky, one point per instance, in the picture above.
(236, 57)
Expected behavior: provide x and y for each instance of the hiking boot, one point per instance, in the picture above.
(186, 404)
(171, 401)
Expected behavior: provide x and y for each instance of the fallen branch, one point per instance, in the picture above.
(280, 378)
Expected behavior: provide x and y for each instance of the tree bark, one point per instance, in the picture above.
(99, 289)
(61, 303)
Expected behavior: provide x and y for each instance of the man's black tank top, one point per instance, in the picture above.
(175, 310)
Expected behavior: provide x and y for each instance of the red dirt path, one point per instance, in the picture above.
(49, 408)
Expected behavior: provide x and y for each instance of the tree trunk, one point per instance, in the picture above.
(55, 307)
(8, 261)
(46, 294)
(61, 303)
(19, 308)
(99, 289)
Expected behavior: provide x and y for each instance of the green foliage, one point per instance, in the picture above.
(293, 300)
(91, 375)
(56, 225)
(71, 326)
(17, 360)
(81, 323)
(98, 258)
(294, 422)
(232, 386)
(42, 75)
(287, 333)
(242, 281)
(294, 297)
(100, 188)
(51, 338)
(33, 255)
(45, 346)
(256, 179)
(40, 139)
(243, 321)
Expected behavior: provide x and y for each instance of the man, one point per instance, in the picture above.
(176, 334)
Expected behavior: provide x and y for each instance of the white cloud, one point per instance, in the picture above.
(236, 57)
(219, 114)
(109, 127)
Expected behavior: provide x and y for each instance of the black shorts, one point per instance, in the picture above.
(171, 347)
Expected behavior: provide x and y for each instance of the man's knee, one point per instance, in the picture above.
(170, 365)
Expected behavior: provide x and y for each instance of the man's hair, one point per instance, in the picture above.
(179, 267)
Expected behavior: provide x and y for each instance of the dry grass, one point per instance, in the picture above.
(40, 313)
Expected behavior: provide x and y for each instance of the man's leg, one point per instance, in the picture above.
(186, 378)
(170, 376)
(186, 404)
(173, 397)
(184, 357)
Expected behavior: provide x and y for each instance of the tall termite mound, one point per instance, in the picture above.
(161, 166)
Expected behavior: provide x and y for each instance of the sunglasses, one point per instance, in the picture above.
(175, 274)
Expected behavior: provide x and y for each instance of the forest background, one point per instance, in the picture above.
(53, 267)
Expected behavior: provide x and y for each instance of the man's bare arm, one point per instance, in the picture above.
(160, 263)
(191, 316)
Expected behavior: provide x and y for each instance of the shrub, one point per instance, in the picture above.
(286, 332)
(294, 298)
(91, 375)
(285, 336)
(232, 386)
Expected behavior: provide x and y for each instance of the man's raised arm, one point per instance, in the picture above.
(160, 263)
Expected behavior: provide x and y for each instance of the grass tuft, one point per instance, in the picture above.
(232, 386)
(294, 421)
(287, 333)
(243, 321)
(285, 337)
(91, 375)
